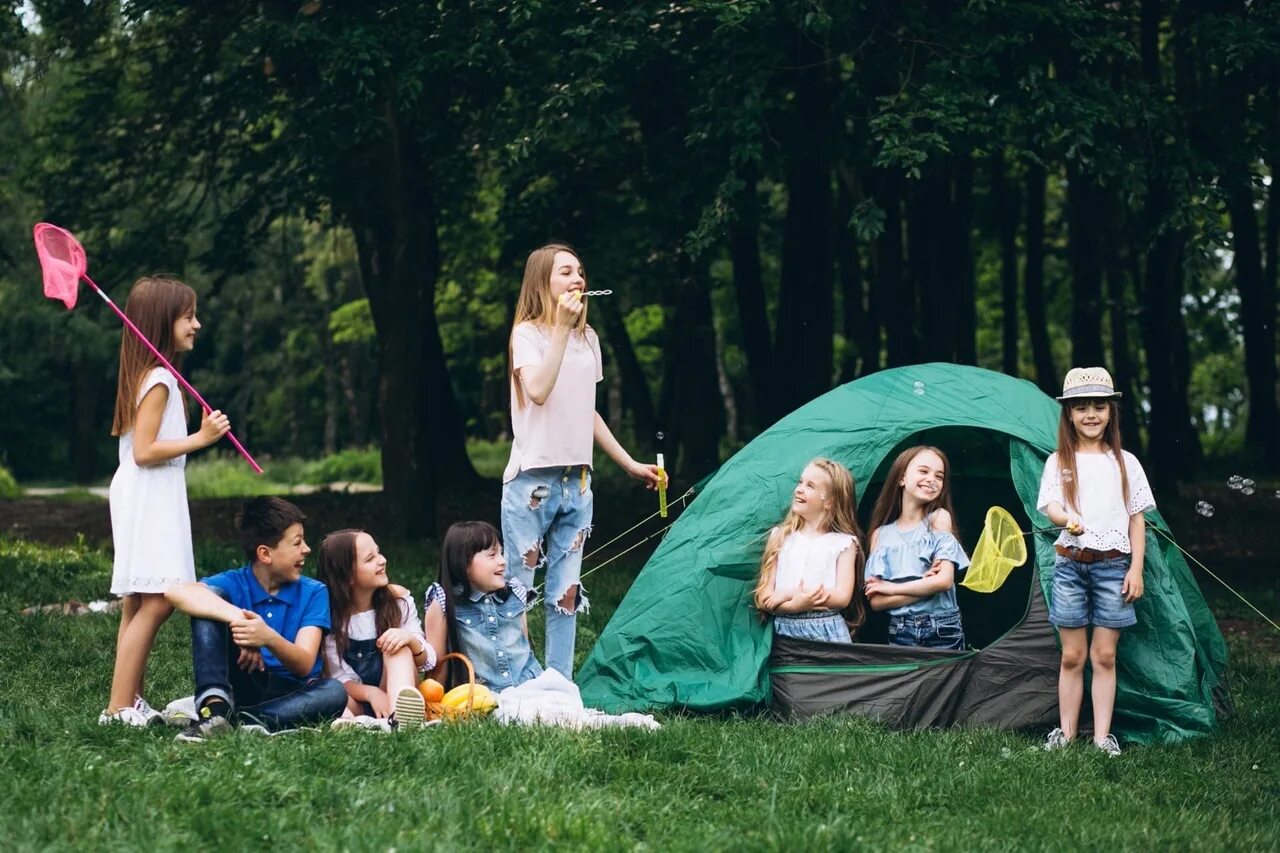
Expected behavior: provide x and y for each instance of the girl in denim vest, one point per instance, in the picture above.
(911, 570)
(547, 504)
(809, 571)
(376, 647)
(476, 609)
(1098, 493)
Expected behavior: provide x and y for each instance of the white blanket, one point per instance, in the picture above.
(553, 700)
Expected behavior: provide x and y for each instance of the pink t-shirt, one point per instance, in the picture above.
(561, 431)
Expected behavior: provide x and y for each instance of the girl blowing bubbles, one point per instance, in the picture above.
(377, 646)
(547, 503)
(911, 571)
(150, 523)
(477, 609)
(1098, 492)
(810, 566)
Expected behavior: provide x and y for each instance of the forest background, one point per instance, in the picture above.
(783, 196)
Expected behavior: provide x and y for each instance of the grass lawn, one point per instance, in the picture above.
(699, 782)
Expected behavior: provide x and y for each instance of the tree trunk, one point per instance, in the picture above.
(1085, 227)
(693, 428)
(1122, 368)
(893, 295)
(1033, 282)
(748, 287)
(965, 287)
(1004, 205)
(853, 310)
(636, 396)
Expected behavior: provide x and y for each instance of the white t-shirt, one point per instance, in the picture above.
(1100, 500)
(364, 626)
(811, 559)
(560, 432)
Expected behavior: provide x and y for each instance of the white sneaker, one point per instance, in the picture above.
(143, 707)
(1109, 745)
(361, 721)
(179, 712)
(1057, 740)
(125, 716)
(410, 709)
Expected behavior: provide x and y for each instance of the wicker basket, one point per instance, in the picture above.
(436, 711)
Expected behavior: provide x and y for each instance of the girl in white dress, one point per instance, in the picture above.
(810, 570)
(150, 524)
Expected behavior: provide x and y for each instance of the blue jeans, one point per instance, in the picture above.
(819, 626)
(1090, 594)
(937, 631)
(271, 699)
(547, 512)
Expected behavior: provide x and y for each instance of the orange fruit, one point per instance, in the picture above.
(431, 690)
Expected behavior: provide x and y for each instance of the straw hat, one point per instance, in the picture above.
(1092, 383)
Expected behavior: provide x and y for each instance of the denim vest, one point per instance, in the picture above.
(490, 633)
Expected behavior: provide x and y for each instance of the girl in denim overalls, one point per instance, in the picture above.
(555, 363)
(809, 571)
(911, 570)
(477, 609)
(1098, 493)
(376, 647)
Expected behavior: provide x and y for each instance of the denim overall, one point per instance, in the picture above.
(365, 658)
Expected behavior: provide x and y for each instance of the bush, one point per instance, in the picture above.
(31, 573)
(9, 487)
(215, 477)
(348, 466)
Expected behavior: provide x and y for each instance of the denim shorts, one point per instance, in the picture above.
(819, 626)
(931, 631)
(1089, 594)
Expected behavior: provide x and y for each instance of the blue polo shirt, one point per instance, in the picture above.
(297, 605)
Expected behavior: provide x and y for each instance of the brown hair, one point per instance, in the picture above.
(155, 304)
(263, 521)
(336, 569)
(1067, 451)
(889, 505)
(535, 305)
(841, 518)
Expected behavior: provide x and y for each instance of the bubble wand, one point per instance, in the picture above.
(63, 264)
(662, 487)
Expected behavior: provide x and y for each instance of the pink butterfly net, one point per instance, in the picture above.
(63, 264)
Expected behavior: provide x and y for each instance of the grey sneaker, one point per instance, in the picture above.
(361, 721)
(410, 709)
(1056, 740)
(1109, 745)
(207, 729)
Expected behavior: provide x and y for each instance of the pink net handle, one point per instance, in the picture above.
(62, 262)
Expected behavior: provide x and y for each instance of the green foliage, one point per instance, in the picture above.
(9, 487)
(227, 478)
(353, 466)
(41, 574)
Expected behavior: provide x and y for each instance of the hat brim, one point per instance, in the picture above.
(1084, 394)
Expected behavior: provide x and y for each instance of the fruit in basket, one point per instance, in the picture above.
(431, 690)
(468, 699)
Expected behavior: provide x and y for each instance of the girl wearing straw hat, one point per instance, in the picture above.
(1097, 492)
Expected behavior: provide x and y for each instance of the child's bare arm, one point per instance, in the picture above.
(1133, 587)
(437, 633)
(199, 600)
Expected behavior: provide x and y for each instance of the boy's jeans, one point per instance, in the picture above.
(548, 511)
(273, 700)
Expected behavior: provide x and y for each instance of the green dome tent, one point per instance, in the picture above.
(686, 635)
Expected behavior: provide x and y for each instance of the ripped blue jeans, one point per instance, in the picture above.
(546, 519)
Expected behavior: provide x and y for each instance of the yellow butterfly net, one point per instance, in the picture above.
(1000, 549)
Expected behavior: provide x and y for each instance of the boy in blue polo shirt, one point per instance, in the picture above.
(256, 632)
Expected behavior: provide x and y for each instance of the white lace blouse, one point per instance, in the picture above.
(811, 559)
(1102, 507)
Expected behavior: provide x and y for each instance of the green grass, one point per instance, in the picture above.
(700, 782)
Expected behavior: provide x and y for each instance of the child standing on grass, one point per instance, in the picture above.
(256, 632)
(809, 571)
(911, 571)
(555, 363)
(376, 648)
(150, 523)
(1098, 493)
(477, 609)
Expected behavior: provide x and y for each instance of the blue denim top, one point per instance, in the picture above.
(490, 633)
(905, 556)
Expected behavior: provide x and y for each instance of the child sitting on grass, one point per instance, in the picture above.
(474, 608)
(376, 647)
(256, 632)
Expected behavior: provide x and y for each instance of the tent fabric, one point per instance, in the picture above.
(686, 635)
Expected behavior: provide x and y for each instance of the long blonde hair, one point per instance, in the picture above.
(155, 304)
(535, 305)
(1067, 453)
(839, 517)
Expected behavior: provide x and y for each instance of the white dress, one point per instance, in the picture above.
(150, 522)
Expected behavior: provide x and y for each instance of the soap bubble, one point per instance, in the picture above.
(1246, 483)
(1235, 481)
(1247, 490)
(660, 435)
(1205, 508)
(1278, 494)
(918, 388)
(1067, 476)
